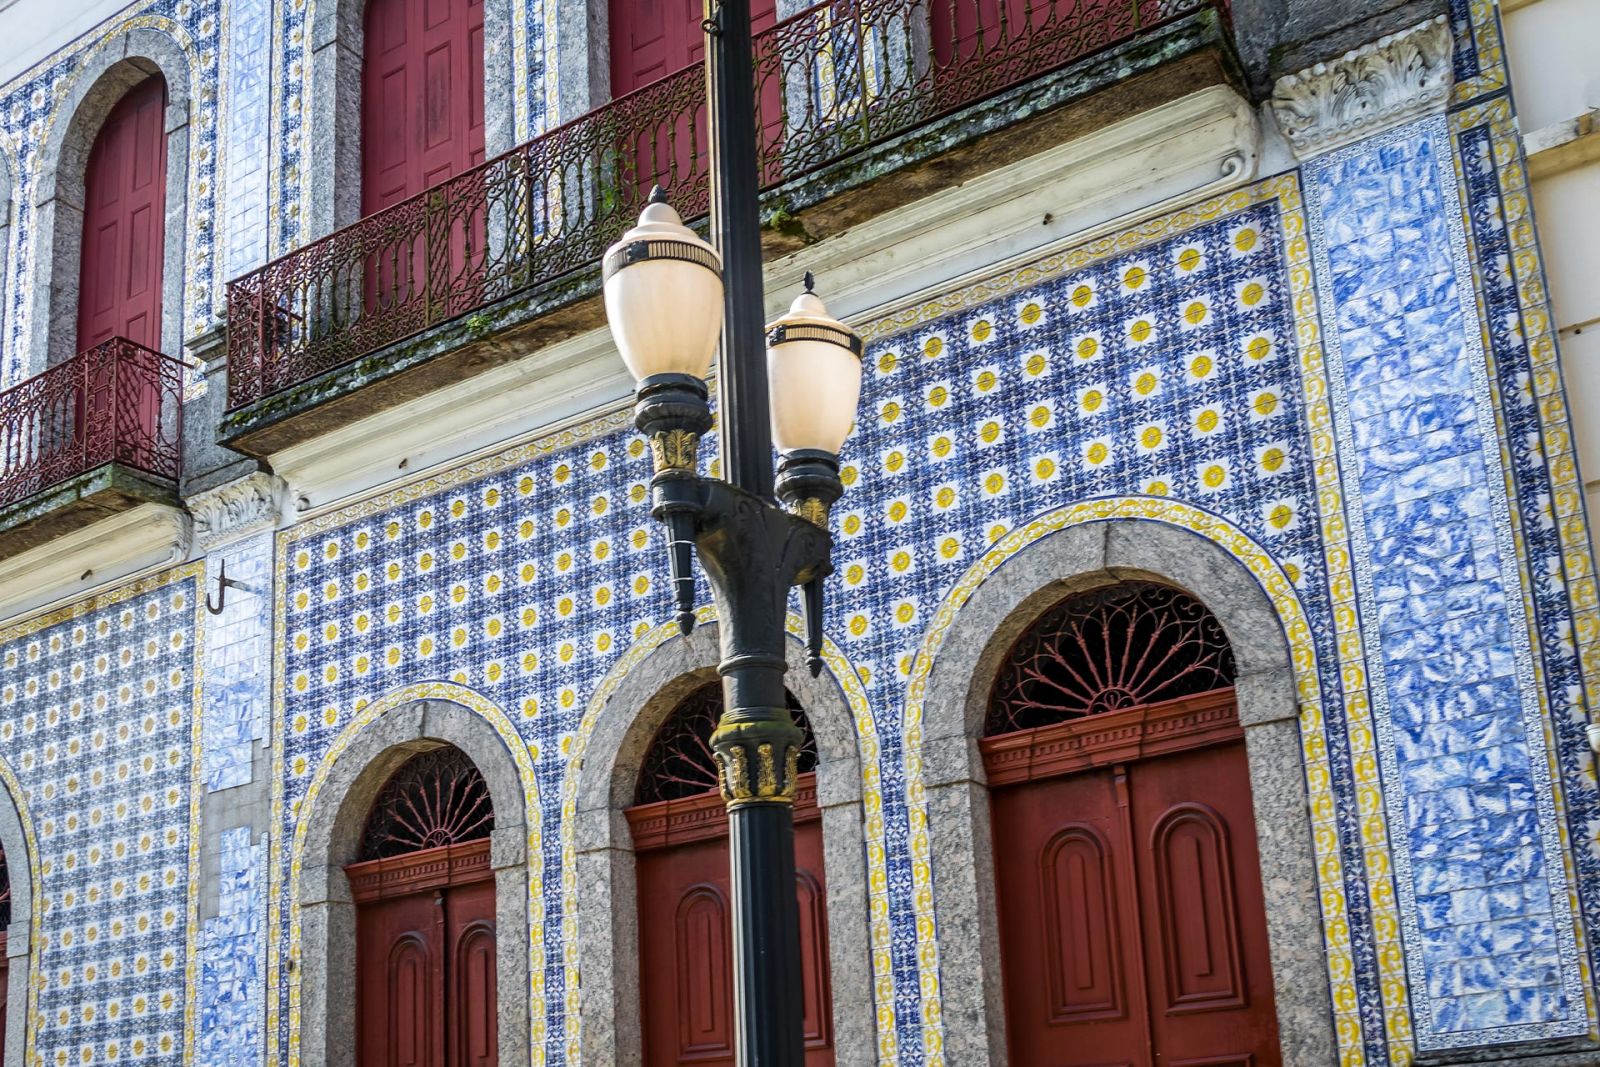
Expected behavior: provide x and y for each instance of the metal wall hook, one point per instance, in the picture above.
(223, 583)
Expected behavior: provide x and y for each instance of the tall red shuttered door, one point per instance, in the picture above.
(651, 39)
(1132, 922)
(422, 96)
(425, 921)
(124, 222)
(680, 837)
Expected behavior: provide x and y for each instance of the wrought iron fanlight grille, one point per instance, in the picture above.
(680, 765)
(1114, 648)
(437, 798)
(5, 893)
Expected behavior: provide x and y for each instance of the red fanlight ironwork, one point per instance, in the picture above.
(118, 402)
(831, 80)
(1115, 648)
(680, 765)
(437, 798)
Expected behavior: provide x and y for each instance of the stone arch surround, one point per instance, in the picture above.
(623, 722)
(16, 839)
(328, 837)
(330, 192)
(102, 79)
(957, 683)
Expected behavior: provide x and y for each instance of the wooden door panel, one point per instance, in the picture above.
(651, 39)
(1210, 977)
(686, 937)
(1078, 895)
(1072, 972)
(399, 978)
(121, 255)
(471, 1008)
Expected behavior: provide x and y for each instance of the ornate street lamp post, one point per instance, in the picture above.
(669, 295)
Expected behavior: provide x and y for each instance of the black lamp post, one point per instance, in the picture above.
(667, 305)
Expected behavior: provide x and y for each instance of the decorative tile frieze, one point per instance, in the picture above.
(1391, 81)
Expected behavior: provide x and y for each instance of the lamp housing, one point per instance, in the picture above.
(814, 371)
(663, 295)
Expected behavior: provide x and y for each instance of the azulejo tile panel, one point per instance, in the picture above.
(1486, 920)
(1162, 365)
(231, 958)
(238, 662)
(99, 720)
(31, 107)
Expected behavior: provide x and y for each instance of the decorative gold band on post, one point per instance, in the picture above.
(675, 450)
(749, 768)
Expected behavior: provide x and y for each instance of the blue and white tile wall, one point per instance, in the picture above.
(31, 105)
(238, 657)
(231, 996)
(1486, 919)
(97, 725)
(247, 142)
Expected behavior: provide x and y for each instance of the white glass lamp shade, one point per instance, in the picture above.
(814, 374)
(663, 291)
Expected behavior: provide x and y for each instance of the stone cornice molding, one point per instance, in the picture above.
(231, 511)
(1397, 78)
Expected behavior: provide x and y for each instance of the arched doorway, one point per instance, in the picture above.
(1132, 924)
(425, 919)
(680, 837)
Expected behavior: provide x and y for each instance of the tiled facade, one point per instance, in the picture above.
(1343, 374)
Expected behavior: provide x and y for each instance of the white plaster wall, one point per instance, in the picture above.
(1554, 52)
(31, 29)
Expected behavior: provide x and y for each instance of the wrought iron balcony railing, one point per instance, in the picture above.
(118, 402)
(831, 80)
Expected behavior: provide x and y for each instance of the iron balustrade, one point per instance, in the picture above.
(118, 402)
(831, 80)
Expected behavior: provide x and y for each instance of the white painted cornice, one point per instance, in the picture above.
(105, 553)
(238, 508)
(1397, 78)
(1156, 161)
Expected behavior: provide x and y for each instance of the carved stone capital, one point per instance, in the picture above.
(1397, 78)
(231, 511)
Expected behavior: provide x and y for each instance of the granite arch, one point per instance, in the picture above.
(103, 78)
(328, 837)
(958, 681)
(624, 721)
(17, 842)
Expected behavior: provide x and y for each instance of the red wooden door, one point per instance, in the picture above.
(686, 933)
(425, 959)
(656, 40)
(124, 222)
(422, 96)
(1132, 923)
(5, 989)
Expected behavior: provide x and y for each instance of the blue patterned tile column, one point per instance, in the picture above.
(245, 156)
(238, 662)
(232, 979)
(1487, 927)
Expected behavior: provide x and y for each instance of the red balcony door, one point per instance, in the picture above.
(989, 31)
(422, 124)
(121, 269)
(652, 41)
(686, 931)
(124, 222)
(1132, 921)
(422, 97)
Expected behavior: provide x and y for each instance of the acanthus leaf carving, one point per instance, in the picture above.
(241, 507)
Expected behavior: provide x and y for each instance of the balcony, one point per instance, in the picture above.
(863, 105)
(91, 437)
